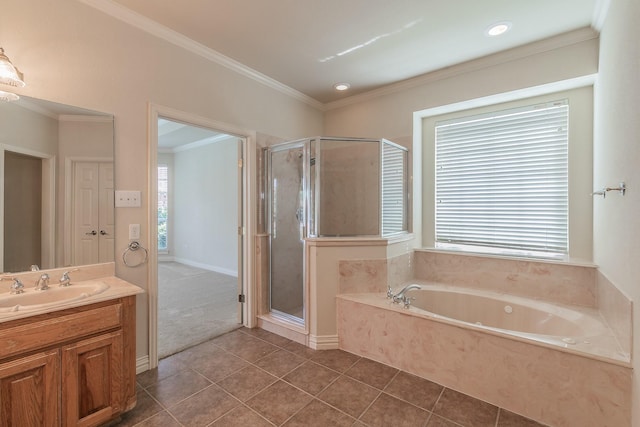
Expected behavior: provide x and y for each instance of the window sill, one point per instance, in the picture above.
(564, 260)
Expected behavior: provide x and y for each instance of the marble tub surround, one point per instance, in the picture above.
(374, 275)
(617, 309)
(543, 280)
(550, 386)
(368, 275)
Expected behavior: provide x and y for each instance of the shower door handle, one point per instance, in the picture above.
(302, 231)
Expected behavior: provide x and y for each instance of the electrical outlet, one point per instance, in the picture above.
(127, 199)
(134, 231)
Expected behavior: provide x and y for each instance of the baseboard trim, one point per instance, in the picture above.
(209, 267)
(142, 364)
(323, 342)
(283, 328)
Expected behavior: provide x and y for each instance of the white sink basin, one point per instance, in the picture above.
(31, 299)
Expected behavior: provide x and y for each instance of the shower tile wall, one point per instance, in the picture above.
(349, 188)
(262, 141)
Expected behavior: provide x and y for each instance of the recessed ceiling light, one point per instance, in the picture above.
(497, 29)
(341, 86)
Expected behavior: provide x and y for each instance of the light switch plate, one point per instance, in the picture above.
(134, 231)
(127, 199)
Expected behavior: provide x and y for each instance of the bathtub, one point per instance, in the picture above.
(575, 329)
(560, 365)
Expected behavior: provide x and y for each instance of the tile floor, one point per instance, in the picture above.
(250, 377)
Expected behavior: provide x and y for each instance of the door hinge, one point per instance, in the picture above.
(241, 298)
(240, 231)
(240, 163)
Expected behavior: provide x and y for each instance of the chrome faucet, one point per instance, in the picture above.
(16, 287)
(42, 284)
(65, 280)
(400, 296)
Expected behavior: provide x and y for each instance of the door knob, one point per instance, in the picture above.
(103, 233)
(91, 233)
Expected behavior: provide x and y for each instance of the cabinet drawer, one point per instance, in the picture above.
(40, 334)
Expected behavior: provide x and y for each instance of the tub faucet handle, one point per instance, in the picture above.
(407, 301)
(389, 292)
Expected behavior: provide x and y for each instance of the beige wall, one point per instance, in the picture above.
(205, 197)
(27, 129)
(617, 157)
(391, 115)
(73, 54)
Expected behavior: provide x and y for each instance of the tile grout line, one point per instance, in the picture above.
(305, 358)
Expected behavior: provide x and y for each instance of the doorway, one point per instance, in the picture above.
(23, 214)
(27, 209)
(198, 262)
(288, 214)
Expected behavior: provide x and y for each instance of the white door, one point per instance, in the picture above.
(93, 215)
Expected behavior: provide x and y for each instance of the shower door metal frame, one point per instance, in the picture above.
(305, 145)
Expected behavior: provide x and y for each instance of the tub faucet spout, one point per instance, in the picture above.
(400, 296)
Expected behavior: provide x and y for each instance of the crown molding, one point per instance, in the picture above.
(149, 26)
(600, 11)
(545, 45)
(201, 143)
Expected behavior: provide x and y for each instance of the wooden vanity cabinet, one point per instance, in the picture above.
(70, 368)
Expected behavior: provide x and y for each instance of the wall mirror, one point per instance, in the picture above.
(56, 185)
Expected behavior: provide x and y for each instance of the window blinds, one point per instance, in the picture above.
(502, 179)
(394, 189)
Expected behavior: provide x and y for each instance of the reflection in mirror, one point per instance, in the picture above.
(56, 195)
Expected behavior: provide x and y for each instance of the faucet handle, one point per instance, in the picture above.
(17, 287)
(65, 280)
(42, 284)
(389, 292)
(407, 301)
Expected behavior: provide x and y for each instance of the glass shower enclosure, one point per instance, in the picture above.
(328, 188)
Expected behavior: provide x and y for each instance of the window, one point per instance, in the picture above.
(163, 206)
(502, 180)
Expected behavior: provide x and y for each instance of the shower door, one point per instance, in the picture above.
(288, 207)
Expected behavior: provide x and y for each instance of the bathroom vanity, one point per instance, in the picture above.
(70, 362)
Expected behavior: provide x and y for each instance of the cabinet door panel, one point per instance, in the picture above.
(92, 379)
(29, 391)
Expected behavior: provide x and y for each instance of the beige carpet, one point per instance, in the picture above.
(194, 305)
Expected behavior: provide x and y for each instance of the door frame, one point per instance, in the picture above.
(247, 216)
(48, 233)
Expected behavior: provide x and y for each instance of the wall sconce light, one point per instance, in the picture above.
(9, 75)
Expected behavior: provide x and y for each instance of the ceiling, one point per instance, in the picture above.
(175, 136)
(309, 45)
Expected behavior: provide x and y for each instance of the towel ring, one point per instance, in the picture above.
(133, 247)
